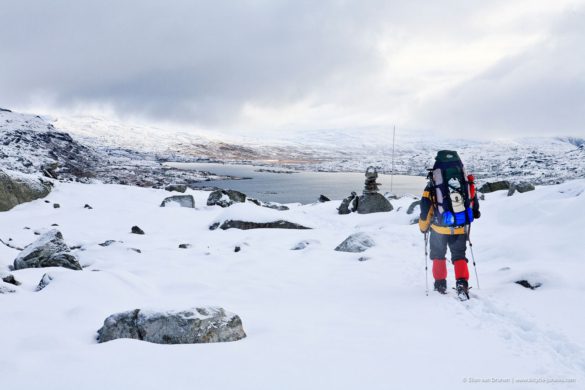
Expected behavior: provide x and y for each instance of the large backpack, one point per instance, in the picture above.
(452, 191)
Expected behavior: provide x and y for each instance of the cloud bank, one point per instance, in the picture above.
(268, 66)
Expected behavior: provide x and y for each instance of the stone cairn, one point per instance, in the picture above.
(371, 187)
(371, 201)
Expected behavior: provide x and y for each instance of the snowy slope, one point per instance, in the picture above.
(315, 318)
(31, 144)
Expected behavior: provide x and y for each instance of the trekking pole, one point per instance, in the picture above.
(426, 264)
(472, 256)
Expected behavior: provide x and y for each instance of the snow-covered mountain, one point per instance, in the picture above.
(540, 160)
(31, 144)
(127, 147)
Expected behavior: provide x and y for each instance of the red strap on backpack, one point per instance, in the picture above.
(471, 180)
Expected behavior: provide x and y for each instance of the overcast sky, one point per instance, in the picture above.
(510, 67)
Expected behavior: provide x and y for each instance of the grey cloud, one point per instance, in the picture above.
(180, 59)
(201, 62)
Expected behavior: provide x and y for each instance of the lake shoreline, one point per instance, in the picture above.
(296, 186)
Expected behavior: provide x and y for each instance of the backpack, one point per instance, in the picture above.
(452, 189)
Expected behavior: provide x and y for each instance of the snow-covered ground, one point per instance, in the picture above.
(315, 318)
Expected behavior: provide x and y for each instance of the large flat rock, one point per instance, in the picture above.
(191, 326)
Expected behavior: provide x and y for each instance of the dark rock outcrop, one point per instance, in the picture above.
(49, 250)
(192, 326)
(244, 225)
(225, 198)
(527, 284)
(136, 230)
(15, 190)
(176, 187)
(323, 199)
(495, 186)
(53, 153)
(179, 200)
(358, 242)
(10, 280)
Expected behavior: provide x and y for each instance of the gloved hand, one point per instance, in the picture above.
(476, 214)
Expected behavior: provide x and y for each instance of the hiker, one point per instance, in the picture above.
(448, 206)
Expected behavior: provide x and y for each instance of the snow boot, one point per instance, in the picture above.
(462, 288)
(441, 286)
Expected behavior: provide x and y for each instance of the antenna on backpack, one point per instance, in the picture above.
(392, 171)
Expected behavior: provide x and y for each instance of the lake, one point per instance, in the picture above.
(300, 186)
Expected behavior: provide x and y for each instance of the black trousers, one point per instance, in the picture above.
(456, 242)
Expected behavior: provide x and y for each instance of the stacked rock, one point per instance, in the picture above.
(371, 187)
(371, 201)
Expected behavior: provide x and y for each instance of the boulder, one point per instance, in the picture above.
(270, 205)
(15, 190)
(520, 187)
(244, 225)
(373, 203)
(191, 326)
(524, 186)
(44, 282)
(49, 250)
(344, 207)
(358, 242)
(527, 284)
(176, 187)
(323, 199)
(107, 243)
(10, 280)
(495, 186)
(412, 206)
(136, 230)
(179, 200)
(225, 198)
(301, 245)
